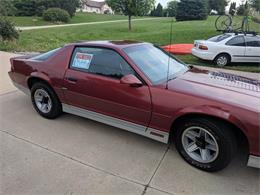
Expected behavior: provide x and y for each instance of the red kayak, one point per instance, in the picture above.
(180, 49)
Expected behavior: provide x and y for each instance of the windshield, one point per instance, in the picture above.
(219, 38)
(153, 62)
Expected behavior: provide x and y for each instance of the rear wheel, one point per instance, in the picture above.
(223, 23)
(45, 101)
(206, 144)
(222, 60)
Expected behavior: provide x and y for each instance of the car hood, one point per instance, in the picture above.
(220, 86)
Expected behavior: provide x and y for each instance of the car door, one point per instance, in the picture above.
(236, 48)
(92, 83)
(252, 48)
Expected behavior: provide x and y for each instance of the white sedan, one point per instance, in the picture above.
(229, 47)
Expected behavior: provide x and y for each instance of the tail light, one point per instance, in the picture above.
(12, 64)
(203, 47)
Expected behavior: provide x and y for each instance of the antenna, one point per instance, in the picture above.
(169, 60)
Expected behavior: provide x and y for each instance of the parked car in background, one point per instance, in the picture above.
(229, 47)
(141, 88)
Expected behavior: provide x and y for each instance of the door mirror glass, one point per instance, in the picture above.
(131, 80)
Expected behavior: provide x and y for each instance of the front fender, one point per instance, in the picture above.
(213, 111)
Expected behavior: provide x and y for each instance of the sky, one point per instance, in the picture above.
(164, 2)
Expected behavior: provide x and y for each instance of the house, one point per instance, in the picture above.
(99, 7)
(213, 12)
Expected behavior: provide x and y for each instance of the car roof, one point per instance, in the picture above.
(120, 44)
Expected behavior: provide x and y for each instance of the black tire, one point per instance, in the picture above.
(223, 23)
(55, 109)
(223, 136)
(222, 60)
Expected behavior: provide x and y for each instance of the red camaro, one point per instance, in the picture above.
(140, 88)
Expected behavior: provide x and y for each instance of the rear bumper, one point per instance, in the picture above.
(19, 86)
(254, 161)
(205, 55)
(22, 88)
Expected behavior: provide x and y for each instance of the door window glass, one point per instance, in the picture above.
(253, 41)
(100, 61)
(236, 41)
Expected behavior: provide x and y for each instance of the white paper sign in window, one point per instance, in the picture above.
(82, 60)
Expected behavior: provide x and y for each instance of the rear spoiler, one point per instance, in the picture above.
(22, 57)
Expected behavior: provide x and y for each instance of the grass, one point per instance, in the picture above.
(78, 18)
(155, 31)
(247, 67)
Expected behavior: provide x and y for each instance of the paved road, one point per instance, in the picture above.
(73, 155)
(80, 24)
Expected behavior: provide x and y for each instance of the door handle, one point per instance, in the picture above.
(72, 79)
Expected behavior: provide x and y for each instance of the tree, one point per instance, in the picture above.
(243, 9)
(159, 10)
(232, 9)
(131, 8)
(172, 8)
(7, 8)
(152, 13)
(70, 6)
(37, 7)
(255, 4)
(218, 5)
(192, 10)
(25, 7)
(165, 12)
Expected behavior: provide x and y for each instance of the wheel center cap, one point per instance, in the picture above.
(45, 100)
(200, 142)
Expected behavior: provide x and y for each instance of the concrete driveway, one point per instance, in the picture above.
(73, 155)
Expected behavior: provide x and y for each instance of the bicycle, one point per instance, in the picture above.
(226, 23)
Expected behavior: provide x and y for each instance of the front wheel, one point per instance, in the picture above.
(205, 144)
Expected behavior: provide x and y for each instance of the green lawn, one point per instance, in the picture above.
(78, 18)
(155, 31)
(247, 67)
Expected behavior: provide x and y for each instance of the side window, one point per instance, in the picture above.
(253, 41)
(236, 41)
(101, 61)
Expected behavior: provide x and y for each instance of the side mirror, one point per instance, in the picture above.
(131, 80)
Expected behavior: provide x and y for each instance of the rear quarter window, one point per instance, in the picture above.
(219, 38)
(45, 56)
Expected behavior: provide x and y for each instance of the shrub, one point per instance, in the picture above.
(192, 10)
(7, 30)
(56, 15)
(256, 19)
